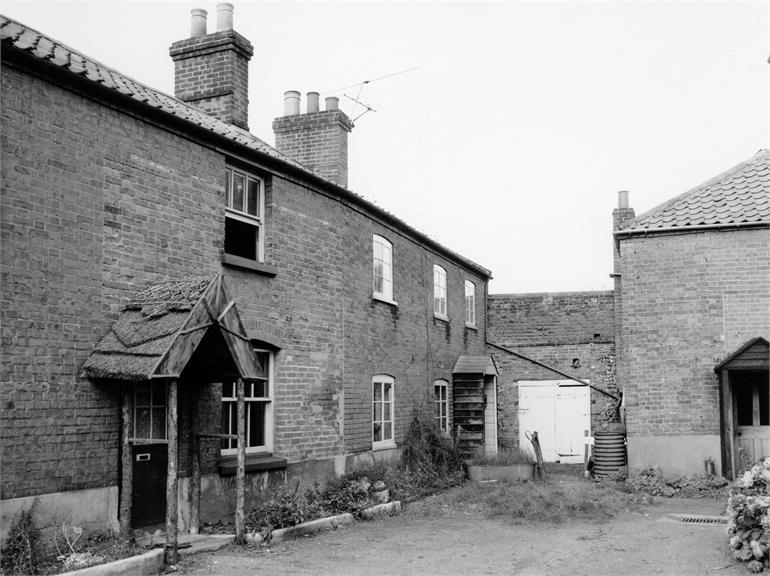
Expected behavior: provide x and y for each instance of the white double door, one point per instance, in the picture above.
(560, 412)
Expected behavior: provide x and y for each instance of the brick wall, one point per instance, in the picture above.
(97, 204)
(689, 300)
(554, 329)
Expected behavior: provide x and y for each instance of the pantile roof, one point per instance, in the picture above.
(26, 39)
(739, 196)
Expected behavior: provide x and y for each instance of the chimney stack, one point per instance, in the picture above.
(622, 212)
(317, 139)
(211, 71)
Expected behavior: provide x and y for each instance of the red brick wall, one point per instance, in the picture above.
(554, 329)
(689, 300)
(96, 204)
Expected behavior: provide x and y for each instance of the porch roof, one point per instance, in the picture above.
(160, 328)
(475, 365)
(754, 354)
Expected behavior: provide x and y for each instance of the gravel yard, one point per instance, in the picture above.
(433, 537)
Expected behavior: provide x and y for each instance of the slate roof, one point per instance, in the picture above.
(475, 365)
(145, 330)
(739, 196)
(24, 38)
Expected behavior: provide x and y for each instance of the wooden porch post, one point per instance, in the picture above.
(171, 553)
(195, 480)
(126, 460)
(240, 477)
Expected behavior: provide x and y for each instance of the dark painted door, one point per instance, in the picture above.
(148, 501)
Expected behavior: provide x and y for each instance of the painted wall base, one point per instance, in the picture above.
(675, 455)
(94, 509)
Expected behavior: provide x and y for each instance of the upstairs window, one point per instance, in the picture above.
(441, 405)
(439, 292)
(382, 412)
(470, 303)
(382, 268)
(259, 413)
(244, 215)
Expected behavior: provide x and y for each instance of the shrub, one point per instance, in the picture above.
(20, 552)
(748, 510)
(429, 452)
(343, 494)
(283, 508)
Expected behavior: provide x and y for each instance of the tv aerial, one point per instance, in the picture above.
(360, 85)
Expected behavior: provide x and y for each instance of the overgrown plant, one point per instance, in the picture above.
(504, 457)
(428, 451)
(748, 510)
(20, 552)
(652, 481)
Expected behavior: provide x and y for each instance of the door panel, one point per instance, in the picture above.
(573, 418)
(536, 413)
(148, 498)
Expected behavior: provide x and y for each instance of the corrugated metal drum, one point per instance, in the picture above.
(609, 452)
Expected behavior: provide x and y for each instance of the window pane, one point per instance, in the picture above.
(388, 392)
(387, 431)
(259, 389)
(377, 392)
(142, 423)
(142, 397)
(252, 206)
(376, 431)
(241, 238)
(386, 411)
(158, 423)
(378, 411)
(377, 250)
(238, 189)
(228, 200)
(256, 424)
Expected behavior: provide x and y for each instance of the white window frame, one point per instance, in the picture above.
(267, 400)
(441, 405)
(157, 390)
(234, 213)
(383, 380)
(439, 292)
(386, 263)
(470, 304)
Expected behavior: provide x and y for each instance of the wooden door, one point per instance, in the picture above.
(573, 418)
(148, 498)
(536, 413)
(751, 397)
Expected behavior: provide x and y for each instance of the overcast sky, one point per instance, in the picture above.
(518, 122)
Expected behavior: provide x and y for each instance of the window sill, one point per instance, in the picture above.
(246, 264)
(471, 326)
(440, 317)
(258, 462)
(384, 445)
(384, 299)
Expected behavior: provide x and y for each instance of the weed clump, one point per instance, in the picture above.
(651, 481)
(20, 552)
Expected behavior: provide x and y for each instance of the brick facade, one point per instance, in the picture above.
(97, 203)
(554, 329)
(689, 300)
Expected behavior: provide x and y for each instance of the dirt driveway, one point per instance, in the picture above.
(429, 538)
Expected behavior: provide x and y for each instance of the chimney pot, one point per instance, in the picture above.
(224, 16)
(623, 199)
(197, 22)
(312, 102)
(291, 103)
(332, 103)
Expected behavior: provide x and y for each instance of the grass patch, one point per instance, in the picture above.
(527, 502)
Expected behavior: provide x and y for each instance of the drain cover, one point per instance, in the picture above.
(698, 519)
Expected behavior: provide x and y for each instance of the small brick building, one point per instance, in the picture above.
(127, 212)
(692, 303)
(556, 356)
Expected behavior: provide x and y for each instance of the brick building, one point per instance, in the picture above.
(145, 238)
(556, 357)
(692, 287)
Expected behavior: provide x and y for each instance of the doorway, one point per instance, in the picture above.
(751, 394)
(560, 412)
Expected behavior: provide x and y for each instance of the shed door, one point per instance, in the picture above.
(752, 410)
(560, 412)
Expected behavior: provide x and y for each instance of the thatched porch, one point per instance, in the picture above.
(174, 338)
